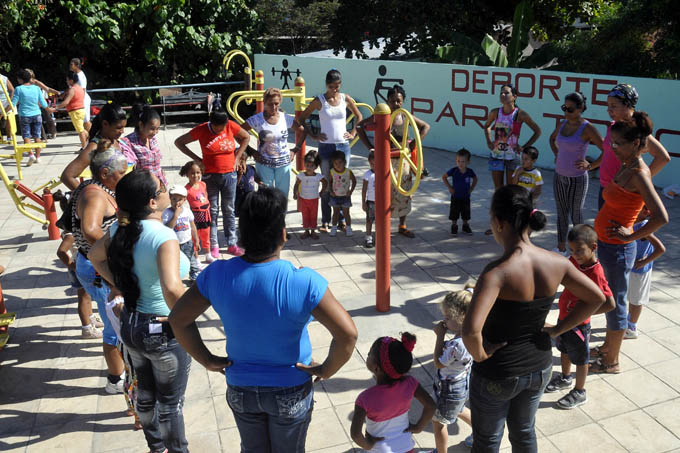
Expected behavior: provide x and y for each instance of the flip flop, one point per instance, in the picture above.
(406, 232)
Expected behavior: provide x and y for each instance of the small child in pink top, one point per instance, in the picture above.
(384, 407)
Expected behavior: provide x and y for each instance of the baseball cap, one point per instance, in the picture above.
(178, 190)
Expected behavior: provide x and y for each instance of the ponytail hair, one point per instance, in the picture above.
(515, 205)
(133, 193)
(111, 113)
(578, 99)
(143, 113)
(396, 89)
(639, 127)
(333, 76)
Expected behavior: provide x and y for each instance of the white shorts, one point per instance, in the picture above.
(87, 101)
(638, 287)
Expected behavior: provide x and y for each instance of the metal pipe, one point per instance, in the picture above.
(157, 87)
(383, 194)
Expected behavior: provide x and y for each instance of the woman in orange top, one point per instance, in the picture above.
(624, 198)
(75, 106)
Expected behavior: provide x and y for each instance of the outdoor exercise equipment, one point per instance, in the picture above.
(405, 152)
(9, 115)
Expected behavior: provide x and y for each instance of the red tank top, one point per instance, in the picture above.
(77, 101)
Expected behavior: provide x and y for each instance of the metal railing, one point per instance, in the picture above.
(158, 87)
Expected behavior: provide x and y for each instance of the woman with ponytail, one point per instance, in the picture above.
(624, 197)
(504, 326)
(93, 211)
(142, 141)
(384, 407)
(265, 304)
(109, 124)
(141, 257)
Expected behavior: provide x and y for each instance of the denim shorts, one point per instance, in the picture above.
(617, 262)
(273, 419)
(341, 202)
(75, 283)
(31, 126)
(370, 211)
(451, 397)
(99, 292)
(577, 349)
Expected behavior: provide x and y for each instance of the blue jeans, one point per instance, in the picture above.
(278, 178)
(99, 292)
(325, 152)
(515, 400)
(31, 126)
(188, 249)
(162, 368)
(272, 419)
(222, 185)
(617, 261)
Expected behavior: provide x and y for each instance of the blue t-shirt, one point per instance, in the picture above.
(265, 309)
(154, 234)
(644, 249)
(28, 99)
(461, 182)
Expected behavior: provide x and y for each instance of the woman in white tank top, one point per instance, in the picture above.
(334, 136)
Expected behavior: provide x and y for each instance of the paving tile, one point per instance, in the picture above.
(551, 420)
(666, 414)
(628, 383)
(15, 441)
(325, 430)
(199, 415)
(639, 432)
(667, 372)
(646, 351)
(605, 400)
(70, 437)
(586, 438)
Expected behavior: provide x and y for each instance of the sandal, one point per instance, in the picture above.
(597, 352)
(305, 235)
(314, 235)
(599, 367)
(323, 228)
(406, 232)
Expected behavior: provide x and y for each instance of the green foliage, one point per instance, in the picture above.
(127, 43)
(294, 27)
(521, 25)
(636, 38)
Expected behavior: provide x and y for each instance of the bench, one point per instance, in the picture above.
(191, 102)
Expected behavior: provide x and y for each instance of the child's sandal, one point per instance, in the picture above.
(406, 232)
(599, 367)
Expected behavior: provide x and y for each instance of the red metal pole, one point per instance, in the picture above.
(3, 309)
(259, 85)
(50, 215)
(381, 115)
(299, 108)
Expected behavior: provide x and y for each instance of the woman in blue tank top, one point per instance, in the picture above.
(569, 143)
(504, 327)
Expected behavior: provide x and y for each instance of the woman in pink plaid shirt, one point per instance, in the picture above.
(142, 142)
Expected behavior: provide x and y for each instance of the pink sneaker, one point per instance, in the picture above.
(215, 252)
(235, 250)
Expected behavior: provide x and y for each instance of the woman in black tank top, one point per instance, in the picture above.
(504, 329)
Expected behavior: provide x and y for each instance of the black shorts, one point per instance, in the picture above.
(370, 211)
(577, 348)
(460, 207)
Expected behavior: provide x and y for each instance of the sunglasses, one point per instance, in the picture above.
(615, 145)
(568, 109)
(162, 189)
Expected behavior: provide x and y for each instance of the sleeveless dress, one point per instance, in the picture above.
(506, 135)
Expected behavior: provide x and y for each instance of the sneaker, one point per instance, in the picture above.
(209, 258)
(454, 228)
(112, 389)
(559, 382)
(368, 242)
(215, 252)
(467, 229)
(348, 231)
(31, 159)
(333, 232)
(235, 250)
(630, 334)
(468, 441)
(573, 399)
(90, 332)
(96, 321)
(37, 160)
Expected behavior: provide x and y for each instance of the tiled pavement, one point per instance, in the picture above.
(51, 395)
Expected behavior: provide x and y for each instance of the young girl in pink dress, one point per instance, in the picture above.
(197, 196)
(384, 407)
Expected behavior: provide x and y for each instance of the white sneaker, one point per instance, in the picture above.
(96, 321)
(37, 160)
(90, 332)
(348, 231)
(209, 258)
(31, 159)
(334, 231)
(630, 334)
(118, 387)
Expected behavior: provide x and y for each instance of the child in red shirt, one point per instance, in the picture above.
(197, 196)
(574, 344)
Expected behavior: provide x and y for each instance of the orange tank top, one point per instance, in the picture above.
(621, 206)
(77, 102)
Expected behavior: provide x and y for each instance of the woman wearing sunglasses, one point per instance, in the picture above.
(569, 143)
(621, 106)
